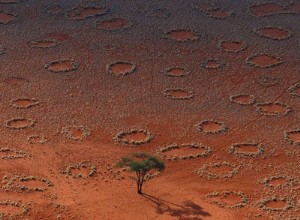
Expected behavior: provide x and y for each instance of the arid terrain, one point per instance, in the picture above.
(210, 87)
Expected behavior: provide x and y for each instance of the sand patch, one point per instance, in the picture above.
(277, 182)
(63, 65)
(293, 8)
(47, 43)
(37, 139)
(178, 94)
(218, 13)
(76, 133)
(182, 35)
(273, 108)
(266, 9)
(243, 99)
(9, 1)
(26, 183)
(202, 6)
(7, 17)
(134, 137)
(211, 127)
(2, 50)
(55, 10)
(113, 24)
(120, 68)
(12, 209)
(159, 13)
(9, 154)
(59, 36)
(267, 81)
(293, 137)
(275, 204)
(275, 33)
(218, 170)
(212, 64)
(232, 46)
(16, 81)
(80, 13)
(19, 123)
(228, 199)
(184, 151)
(81, 170)
(23, 103)
(246, 150)
(177, 71)
(264, 61)
(294, 90)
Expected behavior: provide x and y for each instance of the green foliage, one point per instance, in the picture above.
(141, 164)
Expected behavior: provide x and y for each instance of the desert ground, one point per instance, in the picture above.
(212, 88)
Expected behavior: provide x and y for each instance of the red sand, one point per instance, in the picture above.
(88, 97)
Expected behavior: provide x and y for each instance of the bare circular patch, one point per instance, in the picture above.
(293, 137)
(177, 71)
(243, 99)
(24, 103)
(55, 10)
(212, 64)
(37, 139)
(294, 90)
(19, 123)
(27, 183)
(59, 36)
(7, 17)
(120, 68)
(293, 8)
(159, 13)
(76, 132)
(2, 50)
(9, 154)
(275, 33)
(133, 137)
(266, 9)
(12, 209)
(184, 151)
(218, 13)
(276, 204)
(267, 81)
(211, 127)
(182, 35)
(246, 149)
(15, 80)
(273, 108)
(278, 182)
(218, 170)
(62, 65)
(228, 199)
(232, 46)
(81, 170)
(47, 43)
(202, 6)
(9, 1)
(264, 60)
(178, 94)
(80, 13)
(113, 24)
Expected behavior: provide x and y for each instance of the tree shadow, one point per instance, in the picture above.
(188, 211)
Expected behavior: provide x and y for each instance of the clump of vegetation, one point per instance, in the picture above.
(141, 164)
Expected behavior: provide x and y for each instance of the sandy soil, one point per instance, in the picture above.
(225, 75)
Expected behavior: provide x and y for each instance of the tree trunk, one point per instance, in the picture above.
(140, 182)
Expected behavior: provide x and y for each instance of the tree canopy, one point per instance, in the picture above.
(141, 164)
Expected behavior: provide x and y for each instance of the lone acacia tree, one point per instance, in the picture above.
(141, 164)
